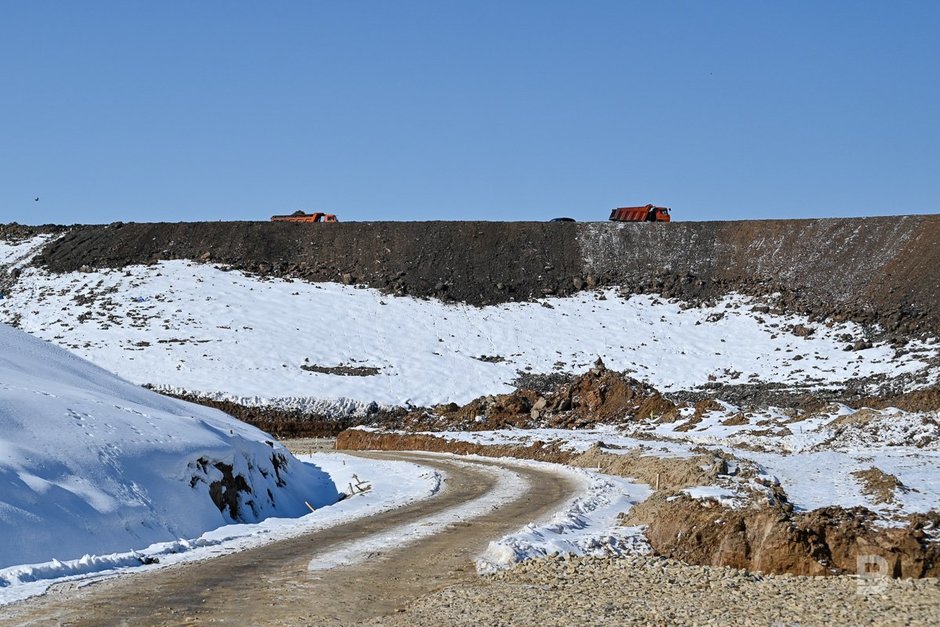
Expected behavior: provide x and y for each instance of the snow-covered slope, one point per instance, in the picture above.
(90, 463)
(334, 348)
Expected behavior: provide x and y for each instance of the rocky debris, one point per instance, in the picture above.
(877, 392)
(641, 590)
(924, 400)
(290, 423)
(598, 396)
(542, 383)
(602, 396)
(14, 232)
(801, 330)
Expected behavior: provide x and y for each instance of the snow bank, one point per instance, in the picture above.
(91, 464)
(394, 484)
(588, 525)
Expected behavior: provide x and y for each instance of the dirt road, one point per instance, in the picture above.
(272, 585)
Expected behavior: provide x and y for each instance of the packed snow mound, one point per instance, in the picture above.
(90, 463)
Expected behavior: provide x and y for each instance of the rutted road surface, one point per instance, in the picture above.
(273, 584)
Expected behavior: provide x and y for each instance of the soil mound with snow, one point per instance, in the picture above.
(868, 270)
(92, 464)
(599, 396)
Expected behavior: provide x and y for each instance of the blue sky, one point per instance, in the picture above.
(210, 110)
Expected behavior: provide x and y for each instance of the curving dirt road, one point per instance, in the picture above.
(272, 585)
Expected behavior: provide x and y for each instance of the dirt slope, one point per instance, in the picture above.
(865, 269)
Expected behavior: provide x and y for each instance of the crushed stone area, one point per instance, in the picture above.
(647, 590)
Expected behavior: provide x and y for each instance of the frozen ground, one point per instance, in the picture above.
(332, 348)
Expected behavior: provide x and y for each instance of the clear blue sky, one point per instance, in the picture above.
(211, 110)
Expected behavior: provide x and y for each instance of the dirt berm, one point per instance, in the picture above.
(864, 269)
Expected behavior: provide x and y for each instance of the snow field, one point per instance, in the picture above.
(182, 326)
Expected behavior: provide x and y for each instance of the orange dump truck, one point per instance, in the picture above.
(646, 213)
(300, 216)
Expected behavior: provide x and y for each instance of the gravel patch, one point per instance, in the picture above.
(648, 590)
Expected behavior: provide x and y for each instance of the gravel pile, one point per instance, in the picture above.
(649, 590)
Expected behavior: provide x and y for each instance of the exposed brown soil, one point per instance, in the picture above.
(598, 396)
(773, 539)
(359, 440)
(768, 537)
(927, 399)
(871, 270)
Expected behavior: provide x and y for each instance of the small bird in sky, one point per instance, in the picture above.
(36, 199)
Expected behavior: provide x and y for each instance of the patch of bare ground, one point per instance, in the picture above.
(879, 485)
(343, 370)
(923, 400)
(765, 535)
(360, 440)
(309, 446)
